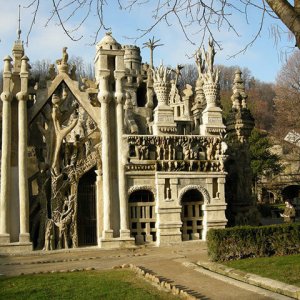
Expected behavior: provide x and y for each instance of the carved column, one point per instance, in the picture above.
(6, 97)
(22, 152)
(119, 97)
(104, 97)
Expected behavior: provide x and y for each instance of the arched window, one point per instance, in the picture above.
(142, 216)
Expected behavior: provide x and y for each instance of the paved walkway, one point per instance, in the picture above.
(168, 262)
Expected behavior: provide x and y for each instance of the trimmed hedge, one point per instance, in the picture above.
(249, 241)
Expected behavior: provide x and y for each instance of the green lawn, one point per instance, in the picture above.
(282, 268)
(113, 284)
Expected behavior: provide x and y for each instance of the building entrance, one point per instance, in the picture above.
(142, 216)
(86, 210)
(191, 215)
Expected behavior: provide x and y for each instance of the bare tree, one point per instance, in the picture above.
(83, 68)
(40, 68)
(287, 101)
(208, 15)
(261, 103)
(189, 75)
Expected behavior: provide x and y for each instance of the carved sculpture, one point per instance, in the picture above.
(60, 133)
(130, 123)
(88, 83)
(62, 64)
(51, 72)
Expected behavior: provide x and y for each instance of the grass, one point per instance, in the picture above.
(282, 268)
(113, 284)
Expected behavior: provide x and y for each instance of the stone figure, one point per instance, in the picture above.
(224, 147)
(200, 62)
(186, 152)
(51, 72)
(210, 75)
(65, 56)
(73, 73)
(130, 122)
(77, 152)
(49, 235)
(209, 151)
(62, 221)
(210, 56)
(88, 83)
(188, 91)
(62, 64)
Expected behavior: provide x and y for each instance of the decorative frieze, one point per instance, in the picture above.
(176, 153)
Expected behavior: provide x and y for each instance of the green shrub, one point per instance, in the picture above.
(248, 241)
(266, 209)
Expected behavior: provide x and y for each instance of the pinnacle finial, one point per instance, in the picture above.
(19, 25)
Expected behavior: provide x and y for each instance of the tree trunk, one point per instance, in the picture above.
(289, 15)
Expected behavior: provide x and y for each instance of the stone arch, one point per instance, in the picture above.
(141, 187)
(199, 188)
(142, 216)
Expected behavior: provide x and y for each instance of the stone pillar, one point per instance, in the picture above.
(221, 187)
(6, 97)
(104, 97)
(119, 97)
(99, 205)
(209, 186)
(22, 153)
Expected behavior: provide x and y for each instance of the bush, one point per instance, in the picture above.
(246, 241)
(267, 209)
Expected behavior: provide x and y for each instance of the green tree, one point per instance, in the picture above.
(263, 161)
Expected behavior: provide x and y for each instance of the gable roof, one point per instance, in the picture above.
(82, 97)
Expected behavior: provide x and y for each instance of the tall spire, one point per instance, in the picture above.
(18, 48)
(19, 24)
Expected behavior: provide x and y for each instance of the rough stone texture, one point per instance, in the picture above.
(239, 125)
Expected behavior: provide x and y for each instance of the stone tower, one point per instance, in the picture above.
(132, 61)
(14, 202)
(238, 186)
(110, 73)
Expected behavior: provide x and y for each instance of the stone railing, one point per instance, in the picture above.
(176, 153)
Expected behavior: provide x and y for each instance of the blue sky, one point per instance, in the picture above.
(263, 58)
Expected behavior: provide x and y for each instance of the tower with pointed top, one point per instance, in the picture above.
(14, 200)
(238, 186)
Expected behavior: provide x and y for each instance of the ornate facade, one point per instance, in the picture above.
(120, 160)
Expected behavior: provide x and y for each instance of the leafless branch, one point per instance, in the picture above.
(206, 16)
(35, 11)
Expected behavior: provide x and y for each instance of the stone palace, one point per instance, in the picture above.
(125, 158)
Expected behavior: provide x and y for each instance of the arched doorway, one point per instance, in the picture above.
(86, 210)
(192, 215)
(142, 216)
